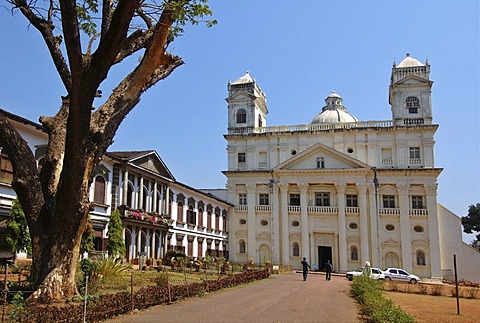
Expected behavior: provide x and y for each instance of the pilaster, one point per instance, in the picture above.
(342, 231)
(304, 220)
(405, 234)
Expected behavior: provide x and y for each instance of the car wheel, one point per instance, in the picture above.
(413, 281)
(388, 279)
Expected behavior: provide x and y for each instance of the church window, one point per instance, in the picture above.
(242, 221)
(99, 190)
(241, 116)
(260, 121)
(241, 245)
(420, 258)
(294, 199)
(417, 202)
(296, 249)
(418, 228)
(388, 201)
(414, 152)
(295, 223)
(209, 220)
(293, 152)
(263, 223)
(353, 225)
(322, 199)
(129, 201)
(352, 201)
(263, 199)
(320, 162)
(354, 253)
(389, 227)
(412, 104)
(242, 199)
(241, 158)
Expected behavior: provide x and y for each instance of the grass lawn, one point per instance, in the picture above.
(438, 309)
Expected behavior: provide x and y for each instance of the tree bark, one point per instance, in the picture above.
(55, 201)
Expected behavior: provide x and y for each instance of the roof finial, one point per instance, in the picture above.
(408, 54)
(394, 62)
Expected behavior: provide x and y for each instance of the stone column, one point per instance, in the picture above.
(285, 241)
(140, 194)
(304, 220)
(434, 239)
(251, 224)
(342, 227)
(362, 205)
(374, 227)
(133, 241)
(154, 197)
(125, 188)
(275, 225)
(405, 231)
(167, 202)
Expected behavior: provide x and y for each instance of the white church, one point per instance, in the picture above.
(341, 189)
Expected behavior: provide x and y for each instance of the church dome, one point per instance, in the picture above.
(334, 111)
(409, 61)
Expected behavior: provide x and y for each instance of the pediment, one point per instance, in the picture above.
(414, 80)
(390, 242)
(153, 163)
(241, 96)
(310, 158)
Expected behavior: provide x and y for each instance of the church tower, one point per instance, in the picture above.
(411, 92)
(247, 105)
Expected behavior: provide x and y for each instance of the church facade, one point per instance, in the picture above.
(338, 188)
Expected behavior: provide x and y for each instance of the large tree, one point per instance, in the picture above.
(471, 223)
(55, 200)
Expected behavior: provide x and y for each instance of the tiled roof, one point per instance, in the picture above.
(127, 155)
(20, 119)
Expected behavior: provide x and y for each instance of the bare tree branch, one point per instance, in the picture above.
(107, 10)
(71, 32)
(53, 43)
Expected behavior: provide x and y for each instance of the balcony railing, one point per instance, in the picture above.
(322, 209)
(313, 127)
(262, 208)
(294, 208)
(418, 212)
(389, 211)
(415, 161)
(352, 210)
(387, 162)
(243, 208)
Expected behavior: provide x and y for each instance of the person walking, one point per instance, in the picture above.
(305, 267)
(328, 270)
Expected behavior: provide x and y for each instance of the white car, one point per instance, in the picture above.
(373, 272)
(400, 274)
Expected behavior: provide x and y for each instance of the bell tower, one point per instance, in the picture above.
(247, 105)
(411, 92)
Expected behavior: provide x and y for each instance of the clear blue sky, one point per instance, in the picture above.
(298, 52)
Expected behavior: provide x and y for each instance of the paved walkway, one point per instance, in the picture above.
(281, 298)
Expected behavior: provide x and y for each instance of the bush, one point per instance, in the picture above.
(369, 296)
(437, 290)
(162, 279)
(471, 292)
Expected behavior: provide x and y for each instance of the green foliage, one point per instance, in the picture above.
(174, 254)
(115, 243)
(191, 12)
(471, 222)
(162, 279)
(87, 244)
(15, 237)
(17, 309)
(369, 296)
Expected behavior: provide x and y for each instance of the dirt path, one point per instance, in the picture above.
(281, 298)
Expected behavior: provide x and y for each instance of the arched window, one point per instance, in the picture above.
(200, 217)
(413, 104)
(241, 245)
(392, 260)
(420, 258)
(296, 249)
(129, 195)
(209, 220)
(241, 116)
(99, 190)
(180, 212)
(354, 253)
(144, 201)
(190, 215)
(217, 222)
(260, 123)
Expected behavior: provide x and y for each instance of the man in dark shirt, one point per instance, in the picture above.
(328, 270)
(305, 267)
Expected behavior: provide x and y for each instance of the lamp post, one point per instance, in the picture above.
(377, 215)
